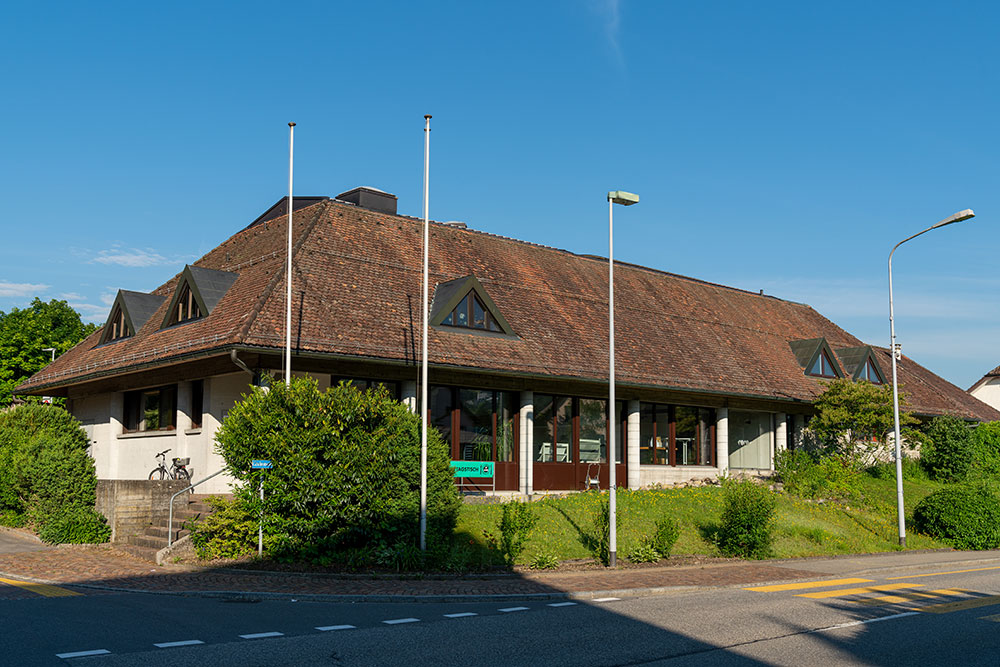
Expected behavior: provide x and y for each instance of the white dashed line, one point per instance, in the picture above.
(187, 642)
(510, 609)
(327, 628)
(262, 635)
(605, 599)
(464, 614)
(83, 654)
(397, 621)
(562, 604)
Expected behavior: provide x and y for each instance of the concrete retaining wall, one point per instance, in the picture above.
(130, 505)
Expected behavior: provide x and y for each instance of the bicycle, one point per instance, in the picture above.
(178, 468)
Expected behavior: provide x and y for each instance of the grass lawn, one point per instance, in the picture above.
(803, 528)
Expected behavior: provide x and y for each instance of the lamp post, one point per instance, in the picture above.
(52, 350)
(893, 352)
(625, 199)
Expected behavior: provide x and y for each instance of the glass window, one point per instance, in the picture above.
(197, 398)
(475, 435)
(553, 430)
(593, 431)
(823, 367)
(506, 426)
(441, 408)
(686, 435)
(871, 372)
(150, 410)
(706, 435)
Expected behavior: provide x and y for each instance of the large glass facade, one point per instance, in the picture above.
(676, 435)
(478, 424)
(574, 430)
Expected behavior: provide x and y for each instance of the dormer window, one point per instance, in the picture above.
(870, 373)
(464, 304)
(471, 313)
(187, 307)
(119, 327)
(198, 291)
(823, 367)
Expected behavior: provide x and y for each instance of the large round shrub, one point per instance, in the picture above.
(346, 469)
(965, 516)
(950, 451)
(46, 475)
(986, 448)
(747, 519)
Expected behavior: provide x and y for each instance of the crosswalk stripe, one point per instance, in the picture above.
(935, 574)
(41, 589)
(902, 596)
(819, 595)
(995, 618)
(972, 603)
(807, 584)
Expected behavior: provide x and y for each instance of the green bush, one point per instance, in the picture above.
(912, 470)
(346, 469)
(663, 540)
(517, 520)
(599, 542)
(948, 454)
(230, 531)
(45, 471)
(986, 449)
(965, 516)
(75, 525)
(544, 560)
(643, 552)
(747, 523)
(817, 474)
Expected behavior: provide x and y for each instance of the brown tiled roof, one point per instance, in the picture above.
(356, 293)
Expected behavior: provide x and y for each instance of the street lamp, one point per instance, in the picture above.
(893, 352)
(625, 199)
(52, 350)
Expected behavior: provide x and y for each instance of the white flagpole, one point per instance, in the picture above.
(423, 343)
(288, 271)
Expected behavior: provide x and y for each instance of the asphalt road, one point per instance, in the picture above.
(943, 613)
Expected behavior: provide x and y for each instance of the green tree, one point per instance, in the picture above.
(25, 333)
(852, 413)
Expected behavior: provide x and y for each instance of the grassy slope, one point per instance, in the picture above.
(803, 528)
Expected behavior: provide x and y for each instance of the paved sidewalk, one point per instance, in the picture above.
(101, 568)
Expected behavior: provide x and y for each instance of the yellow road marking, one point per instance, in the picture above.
(902, 596)
(41, 589)
(934, 574)
(808, 584)
(973, 603)
(995, 618)
(854, 591)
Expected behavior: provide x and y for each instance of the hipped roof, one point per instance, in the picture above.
(356, 294)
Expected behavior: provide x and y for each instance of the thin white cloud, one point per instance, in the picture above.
(21, 289)
(609, 12)
(132, 257)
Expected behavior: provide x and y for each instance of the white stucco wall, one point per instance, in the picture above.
(988, 392)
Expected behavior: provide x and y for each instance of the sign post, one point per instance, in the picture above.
(261, 464)
(467, 469)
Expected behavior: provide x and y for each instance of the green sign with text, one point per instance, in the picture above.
(472, 469)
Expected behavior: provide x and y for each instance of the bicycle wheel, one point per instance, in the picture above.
(182, 473)
(157, 473)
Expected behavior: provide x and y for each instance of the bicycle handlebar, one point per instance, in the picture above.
(163, 452)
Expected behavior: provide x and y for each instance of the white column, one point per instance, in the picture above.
(117, 410)
(408, 394)
(632, 444)
(526, 422)
(780, 436)
(722, 439)
(800, 423)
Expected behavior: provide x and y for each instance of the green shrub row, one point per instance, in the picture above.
(967, 516)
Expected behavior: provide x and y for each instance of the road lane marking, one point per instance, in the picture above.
(83, 654)
(328, 628)
(807, 584)
(935, 574)
(820, 595)
(902, 596)
(605, 599)
(995, 618)
(562, 604)
(851, 624)
(41, 589)
(973, 603)
(397, 621)
(262, 635)
(186, 642)
(464, 614)
(510, 609)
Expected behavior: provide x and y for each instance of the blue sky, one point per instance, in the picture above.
(783, 146)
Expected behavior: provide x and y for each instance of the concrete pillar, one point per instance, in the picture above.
(722, 439)
(632, 444)
(408, 394)
(526, 421)
(800, 424)
(780, 436)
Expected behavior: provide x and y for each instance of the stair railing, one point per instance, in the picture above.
(170, 521)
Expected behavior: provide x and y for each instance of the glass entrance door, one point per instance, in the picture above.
(750, 440)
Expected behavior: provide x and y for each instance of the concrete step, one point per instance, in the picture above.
(161, 532)
(154, 543)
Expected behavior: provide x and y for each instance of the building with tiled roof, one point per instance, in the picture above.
(708, 377)
(987, 389)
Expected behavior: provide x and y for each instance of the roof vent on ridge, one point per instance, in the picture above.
(370, 198)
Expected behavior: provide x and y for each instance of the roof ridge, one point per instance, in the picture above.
(269, 290)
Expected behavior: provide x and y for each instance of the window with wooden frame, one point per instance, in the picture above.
(871, 373)
(197, 403)
(676, 435)
(186, 308)
(150, 410)
(574, 430)
(472, 314)
(823, 367)
(118, 326)
(477, 424)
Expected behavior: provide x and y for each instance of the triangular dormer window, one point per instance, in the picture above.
(129, 312)
(859, 363)
(816, 358)
(197, 293)
(464, 304)
(871, 373)
(823, 366)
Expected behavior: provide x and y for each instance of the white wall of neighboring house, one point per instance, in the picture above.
(988, 391)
